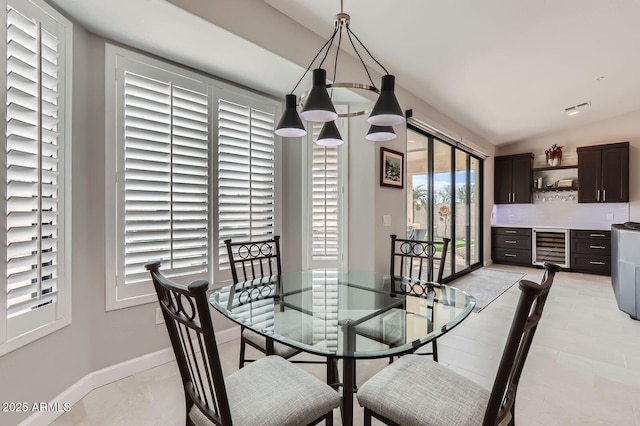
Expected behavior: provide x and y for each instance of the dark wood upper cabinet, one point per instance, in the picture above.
(513, 179)
(603, 173)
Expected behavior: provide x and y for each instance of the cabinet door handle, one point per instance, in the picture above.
(510, 232)
(604, 195)
(514, 242)
(597, 235)
(510, 255)
(598, 195)
(593, 262)
(513, 198)
(597, 247)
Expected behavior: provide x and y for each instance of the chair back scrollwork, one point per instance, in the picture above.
(416, 259)
(254, 260)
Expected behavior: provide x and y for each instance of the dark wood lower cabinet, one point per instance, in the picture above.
(511, 246)
(591, 251)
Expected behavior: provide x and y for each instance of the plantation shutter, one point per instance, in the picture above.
(34, 170)
(178, 143)
(326, 188)
(165, 179)
(246, 173)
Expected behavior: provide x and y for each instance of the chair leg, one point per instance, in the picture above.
(367, 417)
(242, 349)
(331, 371)
(435, 350)
(329, 420)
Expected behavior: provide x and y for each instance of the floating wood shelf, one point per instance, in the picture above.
(541, 169)
(556, 188)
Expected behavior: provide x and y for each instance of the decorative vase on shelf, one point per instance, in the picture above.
(554, 155)
(553, 162)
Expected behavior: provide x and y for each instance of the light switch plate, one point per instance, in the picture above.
(386, 220)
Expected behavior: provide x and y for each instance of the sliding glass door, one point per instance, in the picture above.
(444, 199)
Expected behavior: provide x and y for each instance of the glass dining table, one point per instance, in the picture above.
(345, 314)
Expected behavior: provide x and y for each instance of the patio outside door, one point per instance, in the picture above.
(444, 199)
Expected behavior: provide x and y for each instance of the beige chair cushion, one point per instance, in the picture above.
(418, 391)
(273, 392)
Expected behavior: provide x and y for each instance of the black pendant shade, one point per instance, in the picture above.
(329, 135)
(318, 108)
(380, 133)
(290, 125)
(387, 111)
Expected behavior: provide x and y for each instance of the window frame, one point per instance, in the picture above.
(216, 90)
(38, 325)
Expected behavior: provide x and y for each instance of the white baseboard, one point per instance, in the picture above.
(107, 375)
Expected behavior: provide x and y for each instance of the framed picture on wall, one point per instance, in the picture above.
(391, 168)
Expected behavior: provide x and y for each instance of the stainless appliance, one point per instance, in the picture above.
(550, 245)
(625, 267)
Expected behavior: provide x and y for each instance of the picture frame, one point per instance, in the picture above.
(391, 168)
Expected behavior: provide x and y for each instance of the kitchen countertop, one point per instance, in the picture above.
(578, 228)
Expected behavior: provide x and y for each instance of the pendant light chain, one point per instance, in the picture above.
(335, 64)
(366, 50)
(328, 42)
(349, 32)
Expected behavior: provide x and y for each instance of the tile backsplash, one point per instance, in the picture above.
(556, 213)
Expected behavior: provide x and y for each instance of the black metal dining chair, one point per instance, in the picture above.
(419, 260)
(260, 260)
(417, 391)
(270, 391)
(251, 260)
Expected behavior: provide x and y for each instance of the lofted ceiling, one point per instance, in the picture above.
(505, 70)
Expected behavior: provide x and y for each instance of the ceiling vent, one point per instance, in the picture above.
(575, 109)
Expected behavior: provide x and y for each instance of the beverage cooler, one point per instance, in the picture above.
(625, 267)
(550, 245)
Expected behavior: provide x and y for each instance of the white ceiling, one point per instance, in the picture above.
(506, 70)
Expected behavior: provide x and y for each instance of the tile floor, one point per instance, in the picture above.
(583, 367)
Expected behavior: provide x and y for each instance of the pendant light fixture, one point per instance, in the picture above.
(380, 133)
(290, 124)
(318, 106)
(329, 135)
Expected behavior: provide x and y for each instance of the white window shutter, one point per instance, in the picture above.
(165, 177)
(246, 173)
(33, 198)
(325, 199)
(192, 162)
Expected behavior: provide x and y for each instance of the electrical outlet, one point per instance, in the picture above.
(159, 316)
